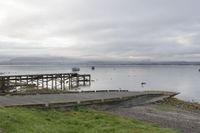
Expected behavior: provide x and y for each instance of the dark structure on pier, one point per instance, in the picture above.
(60, 81)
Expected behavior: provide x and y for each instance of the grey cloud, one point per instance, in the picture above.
(124, 29)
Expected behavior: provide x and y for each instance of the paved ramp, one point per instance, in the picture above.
(71, 99)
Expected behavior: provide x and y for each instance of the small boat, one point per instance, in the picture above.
(93, 67)
(75, 69)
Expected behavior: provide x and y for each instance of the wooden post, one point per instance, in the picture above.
(61, 81)
(37, 82)
(89, 80)
(27, 80)
(20, 80)
(47, 81)
(83, 79)
(16, 80)
(42, 81)
(77, 80)
(64, 82)
(56, 82)
(32, 79)
(52, 82)
(2, 84)
(70, 80)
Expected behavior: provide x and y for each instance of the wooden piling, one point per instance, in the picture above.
(48, 81)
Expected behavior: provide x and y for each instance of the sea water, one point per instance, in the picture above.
(179, 78)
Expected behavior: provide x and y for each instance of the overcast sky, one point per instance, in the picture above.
(101, 29)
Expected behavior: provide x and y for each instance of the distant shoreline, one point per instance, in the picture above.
(139, 64)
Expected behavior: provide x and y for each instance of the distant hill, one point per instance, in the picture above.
(72, 61)
(40, 61)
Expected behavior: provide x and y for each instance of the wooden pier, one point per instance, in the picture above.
(59, 81)
(68, 97)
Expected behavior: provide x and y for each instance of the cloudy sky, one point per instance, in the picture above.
(161, 30)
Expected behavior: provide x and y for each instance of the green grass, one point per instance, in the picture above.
(79, 120)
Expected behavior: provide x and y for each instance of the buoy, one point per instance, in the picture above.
(93, 67)
(143, 83)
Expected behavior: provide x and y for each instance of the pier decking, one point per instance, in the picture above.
(72, 99)
(61, 81)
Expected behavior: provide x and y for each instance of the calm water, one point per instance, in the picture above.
(184, 79)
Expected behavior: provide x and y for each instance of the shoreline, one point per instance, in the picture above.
(181, 104)
(169, 113)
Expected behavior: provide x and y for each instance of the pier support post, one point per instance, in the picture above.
(52, 78)
(61, 81)
(47, 80)
(70, 81)
(2, 85)
(56, 82)
(41, 81)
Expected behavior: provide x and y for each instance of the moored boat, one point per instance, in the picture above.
(75, 69)
(93, 67)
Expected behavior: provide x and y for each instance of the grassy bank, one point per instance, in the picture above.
(26, 120)
(181, 104)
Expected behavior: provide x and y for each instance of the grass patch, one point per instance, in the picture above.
(78, 120)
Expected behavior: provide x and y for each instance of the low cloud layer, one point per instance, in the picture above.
(157, 30)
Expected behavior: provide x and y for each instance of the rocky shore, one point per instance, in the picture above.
(169, 113)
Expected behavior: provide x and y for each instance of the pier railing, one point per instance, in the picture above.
(59, 81)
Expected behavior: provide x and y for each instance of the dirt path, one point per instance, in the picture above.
(165, 115)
